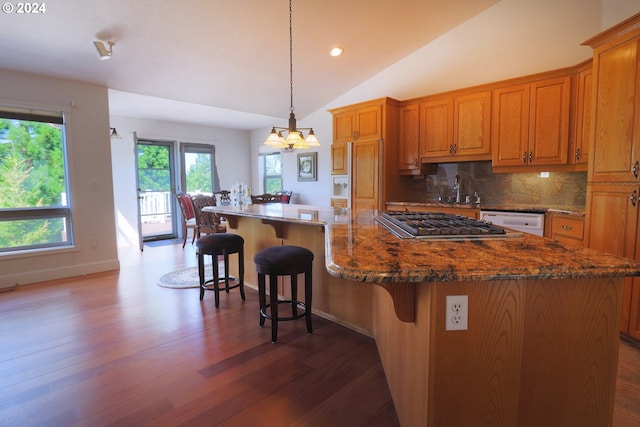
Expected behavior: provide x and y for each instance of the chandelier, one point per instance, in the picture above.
(295, 137)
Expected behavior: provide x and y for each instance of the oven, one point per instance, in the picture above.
(527, 222)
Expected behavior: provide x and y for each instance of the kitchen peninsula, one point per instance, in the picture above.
(541, 344)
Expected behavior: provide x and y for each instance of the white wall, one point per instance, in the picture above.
(90, 179)
(232, 148)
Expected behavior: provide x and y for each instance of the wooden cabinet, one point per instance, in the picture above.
(339, 158)
(472, 125)
(531, 123)
(409, 139)
(436, 128)
(358, 123)
(566, 228)
(339, 203)
(612, 218)
(613, 186)
(582, 135)
(616, 138)
(372, 130)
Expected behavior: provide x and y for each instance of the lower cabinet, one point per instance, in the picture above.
(566, 228)
(612, 227)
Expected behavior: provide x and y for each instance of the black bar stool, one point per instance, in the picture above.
(284, 261)
(220, 244)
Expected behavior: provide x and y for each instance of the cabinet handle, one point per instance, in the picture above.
(578, 154)
(455, 148)
(633, 197)
(635, 169)
(524, 158)
(530, 156)
(567, 227)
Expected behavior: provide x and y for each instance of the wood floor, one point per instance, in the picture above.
(116, 349)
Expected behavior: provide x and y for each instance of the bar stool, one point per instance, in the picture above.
(220, 244)
(284, 261)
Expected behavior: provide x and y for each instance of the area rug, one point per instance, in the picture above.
(185, 277)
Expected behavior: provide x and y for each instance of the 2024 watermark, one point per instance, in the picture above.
(24, 8)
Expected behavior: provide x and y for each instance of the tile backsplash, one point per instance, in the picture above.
(567, 189)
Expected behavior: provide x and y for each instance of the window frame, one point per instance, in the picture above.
(264, 171)
(49, 212)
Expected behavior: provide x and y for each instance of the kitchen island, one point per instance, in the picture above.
(541, 344)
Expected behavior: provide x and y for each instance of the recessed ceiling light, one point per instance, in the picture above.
(336, 51)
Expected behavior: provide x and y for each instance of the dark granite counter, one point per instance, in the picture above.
(571, 210)
(360, 249)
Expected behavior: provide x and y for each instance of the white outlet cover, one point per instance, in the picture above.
(456, 312)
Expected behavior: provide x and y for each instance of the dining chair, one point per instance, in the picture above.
(188, 216)
(206, 222)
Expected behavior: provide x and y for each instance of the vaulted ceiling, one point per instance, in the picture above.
(224, 62)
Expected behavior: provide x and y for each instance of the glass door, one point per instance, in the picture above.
(155, 175)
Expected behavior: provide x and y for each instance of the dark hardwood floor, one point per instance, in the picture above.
(116, 349)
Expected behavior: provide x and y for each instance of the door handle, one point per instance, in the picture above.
(633, 197)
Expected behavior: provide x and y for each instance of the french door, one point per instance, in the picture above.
(155, 166)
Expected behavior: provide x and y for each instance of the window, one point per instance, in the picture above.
(34, 208)
(272, 173)
(199, 173)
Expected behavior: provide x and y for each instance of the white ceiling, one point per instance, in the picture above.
(224, 62)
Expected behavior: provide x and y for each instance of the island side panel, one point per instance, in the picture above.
(343, 301)
(536, 352)
(404, 349)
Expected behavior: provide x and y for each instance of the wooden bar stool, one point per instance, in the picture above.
(284, 261)
(215, 245)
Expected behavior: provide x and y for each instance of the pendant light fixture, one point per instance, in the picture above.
(295, 137)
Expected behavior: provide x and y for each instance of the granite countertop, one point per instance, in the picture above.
(360, 249)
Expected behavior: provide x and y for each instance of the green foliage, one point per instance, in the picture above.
(32, 174)
(199, 174)
(153, 168)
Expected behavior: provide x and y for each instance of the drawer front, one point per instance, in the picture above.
(567, 226)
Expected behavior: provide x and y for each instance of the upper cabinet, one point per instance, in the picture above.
(357, 123)
(531, 123)
(582, 135)
(472, 124)
(436, 128)
(409, 138)
(616, 139)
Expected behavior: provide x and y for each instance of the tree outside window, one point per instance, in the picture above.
(272, 173)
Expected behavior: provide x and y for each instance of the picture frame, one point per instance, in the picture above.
(308, 166)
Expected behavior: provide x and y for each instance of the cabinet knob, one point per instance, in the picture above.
(578, 154)
(567, 227)
(530, 156)
(633, 197)
(524, 158)
(635, 169)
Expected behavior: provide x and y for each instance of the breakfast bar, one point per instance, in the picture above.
(541, 340)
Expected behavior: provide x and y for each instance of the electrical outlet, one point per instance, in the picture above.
(457, 312)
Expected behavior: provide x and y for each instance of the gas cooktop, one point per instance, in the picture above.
(437, 225)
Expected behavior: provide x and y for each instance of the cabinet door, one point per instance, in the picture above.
(365, 174)
(612, 217)
(344, 126)
(472, 124)
(436, 125)
(339, 158)
(510, 126)
(615, 150)
(634, 309)
(369, 122)
(580, 153)
(549, 121)
(408, 145)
